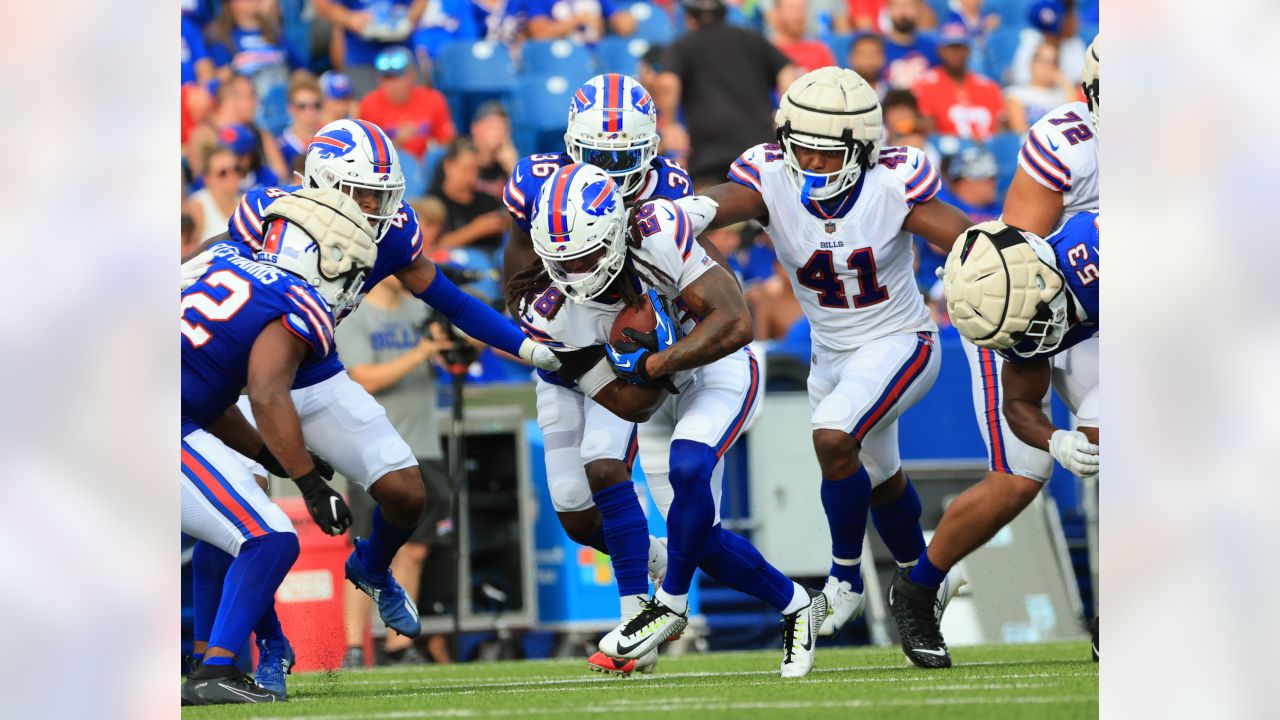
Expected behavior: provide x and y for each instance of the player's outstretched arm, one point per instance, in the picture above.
(738, 203)
(1031, 206)
(1024, 385)
(470, 315)
(939, 223)
(273, 362)
(725, 325)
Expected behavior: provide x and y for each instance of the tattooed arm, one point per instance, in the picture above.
(725, 325)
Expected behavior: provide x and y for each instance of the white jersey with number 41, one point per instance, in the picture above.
(851, 265)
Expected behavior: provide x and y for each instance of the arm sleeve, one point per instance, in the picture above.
(746, 169)
(472, 316)
(245, 224)
(309, 321)
(519, 200)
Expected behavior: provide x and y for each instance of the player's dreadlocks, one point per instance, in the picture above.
(532, 281)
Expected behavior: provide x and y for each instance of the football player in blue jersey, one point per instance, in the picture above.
(356, 158)
(612, 125)
(1035, 302)
(251, 324)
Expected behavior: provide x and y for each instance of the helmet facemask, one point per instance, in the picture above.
(626, 161)
(389, 195)
(1089, 82)
(823, 186)
(356, 157)
(588, 273)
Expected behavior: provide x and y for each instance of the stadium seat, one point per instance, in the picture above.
(540, 109)
(469, 73)
(557, 57)
(1005, 146)
(1001, 47)
(653, 24)
(415, 184)
(620, 55)
(840, 46)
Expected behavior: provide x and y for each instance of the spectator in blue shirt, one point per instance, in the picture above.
(367, 28)
(450, 20)
(339, 99)
(978, 23)
(196, 66)
(907, 52)
(245, 40)
(582, 21)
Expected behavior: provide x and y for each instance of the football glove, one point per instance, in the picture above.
(628, 358)
(273, 466)
(1074, 451)
(540, 355)
(195, 268)
(325, 504)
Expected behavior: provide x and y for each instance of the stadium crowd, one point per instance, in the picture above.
(962, 80)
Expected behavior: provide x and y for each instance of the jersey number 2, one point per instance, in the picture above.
(216, 310)
(819, 274)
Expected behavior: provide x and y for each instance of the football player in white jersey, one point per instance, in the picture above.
(841, 211)
(1057, 178)
(592, 264)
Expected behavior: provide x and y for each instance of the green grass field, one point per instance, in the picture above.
(994, 681)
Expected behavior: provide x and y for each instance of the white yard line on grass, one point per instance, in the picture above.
(686, 706)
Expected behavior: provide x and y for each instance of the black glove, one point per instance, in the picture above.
(273, 466)
(324, 503)
(575, 363)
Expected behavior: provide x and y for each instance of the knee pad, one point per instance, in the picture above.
(692, 464)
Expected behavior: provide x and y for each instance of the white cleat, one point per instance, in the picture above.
(948, 590)
(644, 632)
(799, 636)
(843, 605)
(647, 663)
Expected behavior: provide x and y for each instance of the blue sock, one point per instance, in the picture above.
(627, 534)
(596, 540)
(219, 661)
(384, 542)
(268, 628)
(926, 573)
(208, 571)
(692, 512)
(735, 562)
(251, 586)
(846, 501)
(898, 523)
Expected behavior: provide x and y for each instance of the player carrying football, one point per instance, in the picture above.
(251, 323)
(592, 263)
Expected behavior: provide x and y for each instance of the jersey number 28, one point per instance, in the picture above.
(216, 310)
(819, 274)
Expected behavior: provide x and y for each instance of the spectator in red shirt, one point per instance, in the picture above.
(788, 34)
(412, 115)
(956, 100)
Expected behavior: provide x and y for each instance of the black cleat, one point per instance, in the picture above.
(1093, 635)
(915, 610)
(223, 685)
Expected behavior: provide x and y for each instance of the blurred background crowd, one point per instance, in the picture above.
(466, 87)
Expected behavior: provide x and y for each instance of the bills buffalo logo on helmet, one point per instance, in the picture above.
(584, 98)
(333, 144)
(598, 198)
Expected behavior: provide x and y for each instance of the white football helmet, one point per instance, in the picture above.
(613, 124)
(321, 236)
(1004, 290)
(830, 108)
(357, 157)
(1089, 80)
(578, 230)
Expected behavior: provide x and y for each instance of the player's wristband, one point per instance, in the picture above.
(471, 315)
(595, 379)
(269, 461)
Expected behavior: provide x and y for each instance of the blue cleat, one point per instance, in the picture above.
(275, 660)
(397, 610)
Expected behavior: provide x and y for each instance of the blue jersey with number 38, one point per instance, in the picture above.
(666, 179)
(222, 316)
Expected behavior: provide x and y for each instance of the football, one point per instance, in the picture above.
(638, 318)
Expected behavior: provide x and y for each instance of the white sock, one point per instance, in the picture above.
(679, 603)
(799, 599)
(630, 605)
